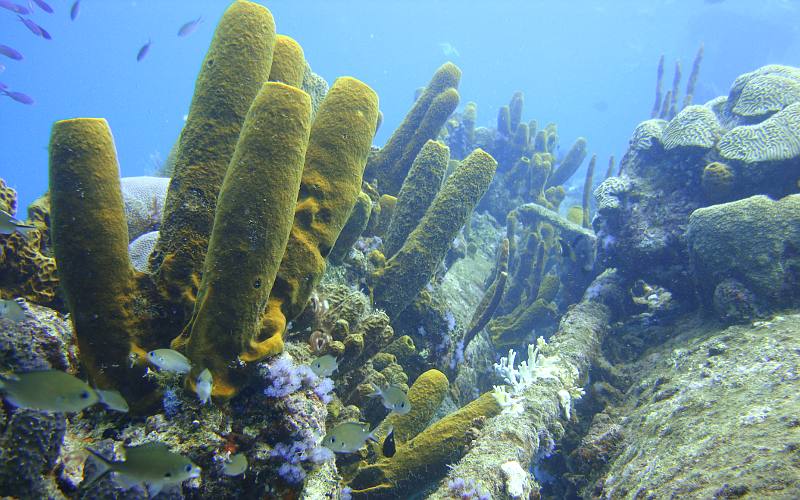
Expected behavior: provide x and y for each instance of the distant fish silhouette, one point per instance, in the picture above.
(19, 9)
(189, 28)
(601, 106)
(75, 10)
(35, 28)
(143, 51)
(3, 86)
(18, 96)
(10, 53)
(2, 67)
(448, 50)
(43, 5)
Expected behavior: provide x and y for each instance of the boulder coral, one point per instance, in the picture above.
(230, 248)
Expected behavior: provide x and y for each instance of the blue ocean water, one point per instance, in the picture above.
(588, 66)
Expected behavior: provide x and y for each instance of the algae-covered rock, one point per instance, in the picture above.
(755, 241)
(713, 415)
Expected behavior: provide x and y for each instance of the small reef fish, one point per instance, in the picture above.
(348, 437)
(10, 309)
(8, 224)
(394, 398)
(10, 52)
(324, 366)
(43, 5)
(236, 465)
(448, 49)
(48, 390)
(152, 465)
(19, 9)
(75, 10)
(203, 386)
(35, 28)
(143, 51)
(189, 28)
(22, 99)
(389, 448)
(169, 361)
(112, 400)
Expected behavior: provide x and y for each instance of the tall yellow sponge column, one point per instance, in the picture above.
(237, 63)
(90, 241)
(288, 62)
(341, 137)
(254, 214)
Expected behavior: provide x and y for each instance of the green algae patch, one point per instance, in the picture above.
(251, 229)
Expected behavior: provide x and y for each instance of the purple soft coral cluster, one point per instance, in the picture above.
(458, 355)
(303, 449)
(466, 490)
(286, 378)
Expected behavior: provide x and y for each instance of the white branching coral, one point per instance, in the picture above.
(537, 366)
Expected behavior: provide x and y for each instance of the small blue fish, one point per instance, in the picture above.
(35, 28)
(19, 9)
(112, 400)
(394, 398)
(170, 360)
(19, 97)
(143, 51)
(324, 366)
(203, 386)
(189, 28)
(10, 52)
(75, 10)
(43, 5)
(348, 437)
(235, 465)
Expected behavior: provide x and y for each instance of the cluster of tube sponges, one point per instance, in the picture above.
(258, 197)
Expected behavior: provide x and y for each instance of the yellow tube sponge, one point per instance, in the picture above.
(356, 224)
(423, 122)
(90, 242)
(420, 187)
(254, 215)
(227, 84)
(411, 268)
(425, 395)
(424, 459)
(341, 137)
(288, 62)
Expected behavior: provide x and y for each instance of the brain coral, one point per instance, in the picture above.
(647, 134)
(767, 94)
(694, 126)
(761, 91)
(776, 138)
(144, 203)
